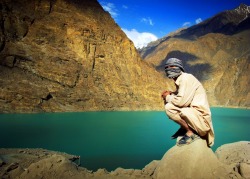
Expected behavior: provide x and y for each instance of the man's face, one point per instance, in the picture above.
(167, 68)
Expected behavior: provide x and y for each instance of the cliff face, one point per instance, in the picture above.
(216, 52)
(70, 55)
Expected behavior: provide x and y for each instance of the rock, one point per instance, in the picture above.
(150, 168)
(101, 172)
(121, 171)
(128, 173)
(56, 166)
(192, 161)
(2, 162)
(12, 166)
(233, 153)
(245, 170)
(33, 163)
(236, 155)
(59, 56)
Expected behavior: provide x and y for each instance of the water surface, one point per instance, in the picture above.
(112, 139)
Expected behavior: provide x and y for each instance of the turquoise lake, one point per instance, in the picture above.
(112, 139)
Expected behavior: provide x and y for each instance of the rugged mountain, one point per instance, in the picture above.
(228, 23)
(216, 51)
(70, 55)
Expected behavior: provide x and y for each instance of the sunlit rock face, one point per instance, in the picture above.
(70, 55)
(216, 51)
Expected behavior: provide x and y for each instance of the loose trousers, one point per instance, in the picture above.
(192, 117)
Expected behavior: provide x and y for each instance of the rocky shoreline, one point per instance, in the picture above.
(192, 161)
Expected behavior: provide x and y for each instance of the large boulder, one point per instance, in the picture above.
(236, 155)
(194, 161)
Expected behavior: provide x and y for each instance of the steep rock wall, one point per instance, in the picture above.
(69, 55)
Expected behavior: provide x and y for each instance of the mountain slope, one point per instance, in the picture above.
(216, 51)
(228, 23)
(62, 56)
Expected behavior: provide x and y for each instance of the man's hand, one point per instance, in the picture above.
(165, 93)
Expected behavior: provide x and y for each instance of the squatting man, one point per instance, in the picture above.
(188, 105)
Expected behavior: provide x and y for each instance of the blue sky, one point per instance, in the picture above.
(147, 20)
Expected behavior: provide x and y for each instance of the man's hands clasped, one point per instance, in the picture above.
(164, 95)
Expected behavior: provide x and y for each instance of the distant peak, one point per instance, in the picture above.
(243, 8)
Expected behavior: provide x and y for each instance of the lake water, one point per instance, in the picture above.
(112, 139)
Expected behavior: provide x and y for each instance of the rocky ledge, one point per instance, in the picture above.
(191, 161)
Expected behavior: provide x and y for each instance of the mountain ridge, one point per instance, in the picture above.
(225, 22)
(210, 54)
(242, 10)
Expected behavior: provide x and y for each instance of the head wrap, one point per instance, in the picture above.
(173, 67)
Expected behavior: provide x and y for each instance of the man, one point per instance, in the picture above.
(188, 106)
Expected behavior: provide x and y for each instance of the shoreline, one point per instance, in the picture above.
(25, 163)
(146, 110)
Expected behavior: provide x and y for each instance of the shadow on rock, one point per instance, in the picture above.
(199, 70)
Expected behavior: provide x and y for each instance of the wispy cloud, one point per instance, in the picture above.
(110, 7)
(140, 39)
(147, 21)
(199, 20)
(124, 7)
(186, 24)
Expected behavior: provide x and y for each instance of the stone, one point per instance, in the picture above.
(59, 56)
(150, 168)
(237, 156)
(11, 167)
(48, 166)
(193, 161)
(245, 170)
(2, 162)
(100, 172)
(234, 153)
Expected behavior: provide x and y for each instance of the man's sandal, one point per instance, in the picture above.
(185, 140)
(178, 133)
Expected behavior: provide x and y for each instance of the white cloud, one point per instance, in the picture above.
(186, 24)
(110, 7)
(124, 7)
(140, 39)
(199, 20)
(147, 21)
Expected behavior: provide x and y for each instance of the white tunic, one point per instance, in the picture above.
(190, 103)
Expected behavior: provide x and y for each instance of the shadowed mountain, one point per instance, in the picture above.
(201, 71)
(228, 23)
(216, 51)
